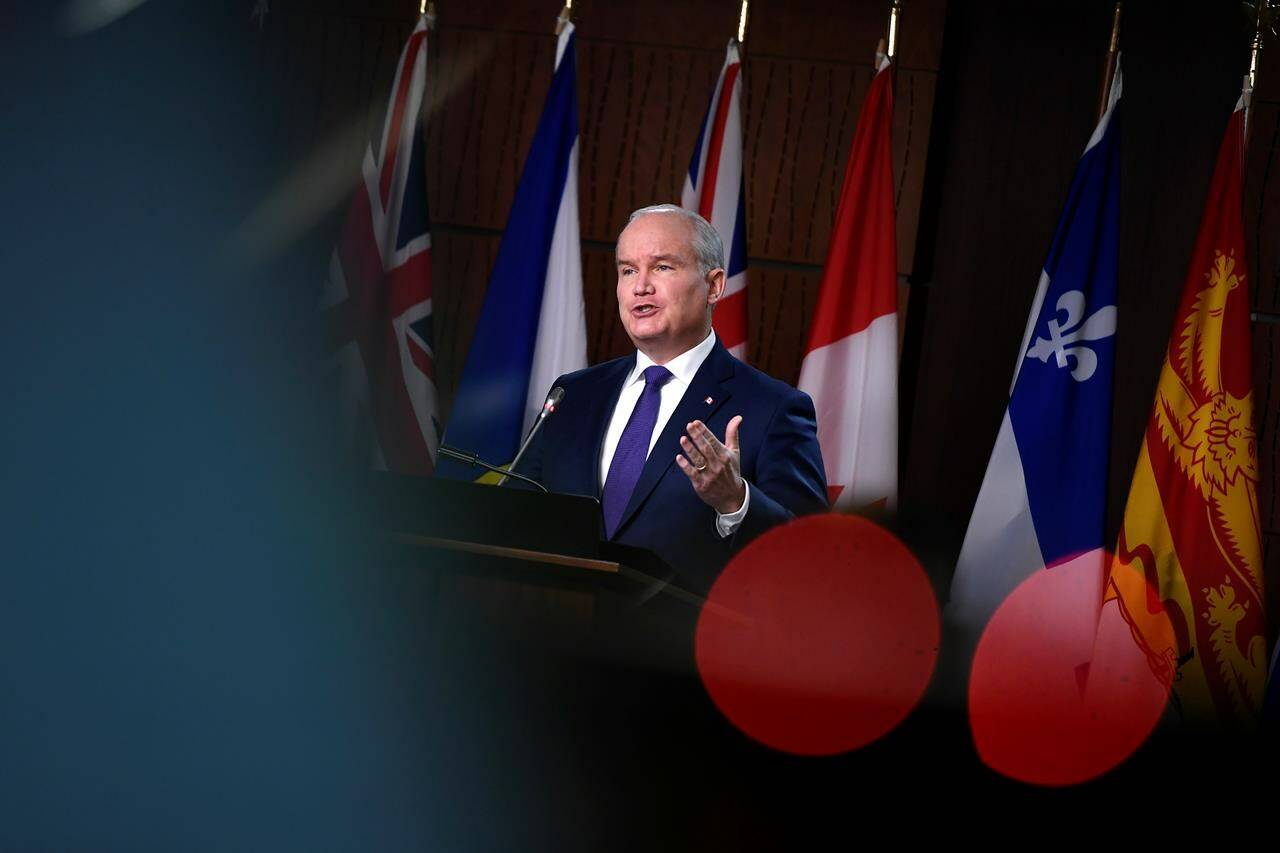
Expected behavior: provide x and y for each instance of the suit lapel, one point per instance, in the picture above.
(707, 384)
(604, 397)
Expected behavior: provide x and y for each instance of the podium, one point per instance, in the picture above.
(533, 567)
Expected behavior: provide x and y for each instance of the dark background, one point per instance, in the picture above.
(198, 651)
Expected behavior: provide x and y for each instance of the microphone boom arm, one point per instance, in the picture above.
(472, 459)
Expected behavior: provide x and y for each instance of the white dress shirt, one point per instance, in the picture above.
(683, 368)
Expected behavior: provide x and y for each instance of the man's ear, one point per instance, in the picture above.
(716, 280)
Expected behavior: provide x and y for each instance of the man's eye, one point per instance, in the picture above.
(625, 271)
(663, 267)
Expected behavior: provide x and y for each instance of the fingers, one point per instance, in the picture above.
(731, 433)
(712, 468)
(689, 471)
(695, 454)
(704, 451)
(707, 443)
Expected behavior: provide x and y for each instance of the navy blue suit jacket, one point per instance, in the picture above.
(778, 442)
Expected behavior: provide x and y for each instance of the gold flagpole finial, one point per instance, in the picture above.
(895, 12)
(742, 23)
(1262, 14)
(1115, 29)
(565, 15)
(1109, 67)
(427, 9)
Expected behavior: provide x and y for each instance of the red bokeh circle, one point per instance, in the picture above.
(820, 636)
(1059, 691)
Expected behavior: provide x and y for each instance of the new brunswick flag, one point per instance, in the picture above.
(1190, 545)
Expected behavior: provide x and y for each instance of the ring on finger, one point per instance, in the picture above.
(691, 452)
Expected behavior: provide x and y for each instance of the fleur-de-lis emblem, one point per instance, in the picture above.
(1065, 337)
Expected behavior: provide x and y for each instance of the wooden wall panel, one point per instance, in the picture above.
(1266, 367)
(1266, 396)
(604, 330)
(461, 264)
(1262, 233)
(839, 31)
(800, 123)
(912, 122)
(1271, 571)
(640, 110)
(1262, 197)
(782, 303)
(801, 118)
(487, 114)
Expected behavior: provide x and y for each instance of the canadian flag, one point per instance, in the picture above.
(850, 365)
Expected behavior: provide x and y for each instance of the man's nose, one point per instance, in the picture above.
(641, 283)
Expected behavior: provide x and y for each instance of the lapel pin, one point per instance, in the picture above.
(709, 401)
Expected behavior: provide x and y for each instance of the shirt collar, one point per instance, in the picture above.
(683, 367)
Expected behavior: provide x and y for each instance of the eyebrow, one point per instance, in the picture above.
(652, 259)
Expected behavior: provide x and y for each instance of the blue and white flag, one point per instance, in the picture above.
(532, 327)
(1043, 500)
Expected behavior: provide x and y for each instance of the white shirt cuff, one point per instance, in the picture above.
(727, 523)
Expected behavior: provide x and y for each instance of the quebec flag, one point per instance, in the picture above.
(1043, 500)
(532, 326)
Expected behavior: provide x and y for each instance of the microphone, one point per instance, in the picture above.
(553, 400)
(473, 459)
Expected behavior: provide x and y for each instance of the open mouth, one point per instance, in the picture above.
(644, 309)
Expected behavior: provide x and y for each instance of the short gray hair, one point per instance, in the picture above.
(707, 245)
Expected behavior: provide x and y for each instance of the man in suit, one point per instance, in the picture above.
(642, 432)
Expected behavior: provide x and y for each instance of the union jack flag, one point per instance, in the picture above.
(714, 188)
(377, 300)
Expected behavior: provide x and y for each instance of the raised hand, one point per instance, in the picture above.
(714, 469)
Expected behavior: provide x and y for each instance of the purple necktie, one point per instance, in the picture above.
(633, 448)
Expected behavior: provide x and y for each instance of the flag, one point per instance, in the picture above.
(850, 366)
(1042, 503)
(377, 299)
(532, 326)
(714, 188)
(1190, 546)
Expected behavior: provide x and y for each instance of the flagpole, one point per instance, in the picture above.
(428, 10)
(1109, 68)
(1262, 22)
(895, 12)
(563, 18)
(742, 24)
